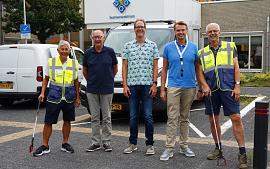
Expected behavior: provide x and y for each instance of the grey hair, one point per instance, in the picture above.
(212, 24)
(62, 43)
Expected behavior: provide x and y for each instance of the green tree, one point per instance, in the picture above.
(46, 17)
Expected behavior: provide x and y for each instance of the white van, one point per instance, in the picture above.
(159, 32)
(21, 69)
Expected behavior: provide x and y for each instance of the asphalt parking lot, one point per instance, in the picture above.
(17, 124)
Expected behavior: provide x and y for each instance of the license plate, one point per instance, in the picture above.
(6, 85)
(116, 107)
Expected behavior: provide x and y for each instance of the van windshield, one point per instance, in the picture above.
(116, 39)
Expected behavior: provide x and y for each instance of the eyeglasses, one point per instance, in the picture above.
(96, 37)
(139, 27)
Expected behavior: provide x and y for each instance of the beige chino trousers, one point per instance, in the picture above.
(179, 101)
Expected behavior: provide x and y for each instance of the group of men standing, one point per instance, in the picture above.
(215, 67)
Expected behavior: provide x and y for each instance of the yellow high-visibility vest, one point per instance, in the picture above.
(62, 81)
(219, 71)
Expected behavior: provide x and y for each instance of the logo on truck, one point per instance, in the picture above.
(121, 5)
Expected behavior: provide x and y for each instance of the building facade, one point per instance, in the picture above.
(245, 22)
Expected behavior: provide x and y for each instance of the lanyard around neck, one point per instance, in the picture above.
(181, 53)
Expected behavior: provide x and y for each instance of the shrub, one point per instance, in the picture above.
(255, 79)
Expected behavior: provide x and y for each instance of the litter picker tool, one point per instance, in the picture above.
(31, 147)
(221, 161)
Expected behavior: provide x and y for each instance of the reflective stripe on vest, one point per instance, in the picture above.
(223, 62)
(53, 68)
(60, 84)
(62, 81)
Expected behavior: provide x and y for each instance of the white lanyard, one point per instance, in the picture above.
(181, 53)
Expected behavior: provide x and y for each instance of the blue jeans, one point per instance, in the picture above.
(140, 93)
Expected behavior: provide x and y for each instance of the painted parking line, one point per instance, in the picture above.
(243, 112)
(194, 128)
(162, 137)
(58, 126)
(15, 136)
(30, 126)
(118, 133)
(82, 123)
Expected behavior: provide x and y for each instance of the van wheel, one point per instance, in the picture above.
(6, 102)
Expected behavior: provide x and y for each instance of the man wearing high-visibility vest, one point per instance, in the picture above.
(62, 72)
(219, 79)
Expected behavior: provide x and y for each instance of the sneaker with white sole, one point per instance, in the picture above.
(107, 147)
(93, 147)
(67, 148)
(150, 150)
(41, 151)
(187, 152)
(130, 149)
(166, 155)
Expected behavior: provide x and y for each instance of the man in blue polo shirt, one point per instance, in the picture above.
(99, 69)
(179, 58)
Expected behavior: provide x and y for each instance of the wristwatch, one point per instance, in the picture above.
(237, 82)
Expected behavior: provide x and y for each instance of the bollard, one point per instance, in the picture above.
(260, 135)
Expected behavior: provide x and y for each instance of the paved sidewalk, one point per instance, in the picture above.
(263, 91)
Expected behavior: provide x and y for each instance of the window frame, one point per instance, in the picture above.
(244, 34)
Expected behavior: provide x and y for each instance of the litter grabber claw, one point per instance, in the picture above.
(221, 161)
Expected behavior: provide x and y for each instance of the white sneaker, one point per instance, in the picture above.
(167, 153)
(130, 149)
(150, 150)
(187, 152)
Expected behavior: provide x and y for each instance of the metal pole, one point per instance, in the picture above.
(69, 37)
(81, 33)
(1, 29)
(260, 135)
(61, 36)
(267, 66)
(24, 16)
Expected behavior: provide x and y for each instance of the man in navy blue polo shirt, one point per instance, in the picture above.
(99, 69)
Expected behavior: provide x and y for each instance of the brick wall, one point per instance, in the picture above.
(240, 16)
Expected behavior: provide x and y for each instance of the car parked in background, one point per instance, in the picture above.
(22, 67)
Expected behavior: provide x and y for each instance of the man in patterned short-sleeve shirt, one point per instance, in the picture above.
(140, 71)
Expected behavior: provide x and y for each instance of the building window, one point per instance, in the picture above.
(256, 52)
(249, 49)
(227, 39)
(242, 45)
